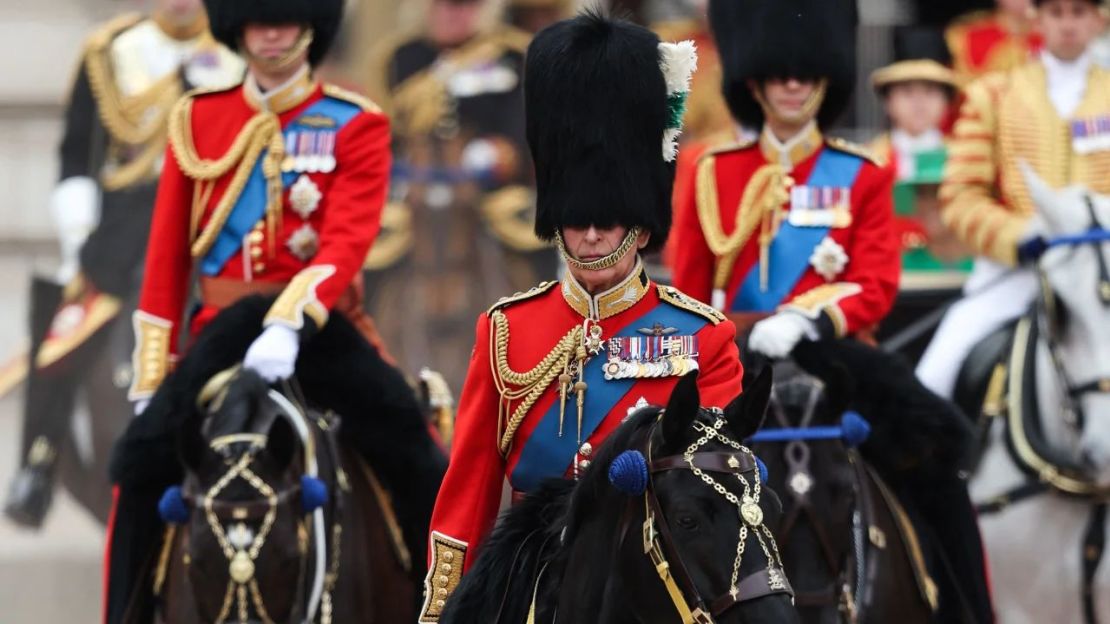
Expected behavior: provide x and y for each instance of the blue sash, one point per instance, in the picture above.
(545, 455)
(793, 245)
(251, 205)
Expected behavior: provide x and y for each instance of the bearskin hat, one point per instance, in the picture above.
(765, 39)
(596, 112)
(228, 17)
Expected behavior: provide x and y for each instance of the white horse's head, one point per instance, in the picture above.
(1079, 275)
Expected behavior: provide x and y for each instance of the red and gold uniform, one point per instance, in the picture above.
(513, 421)
(985, 41)
(270, 193)
(808, 228)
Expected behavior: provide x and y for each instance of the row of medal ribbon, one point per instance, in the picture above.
(309, 151)
(820, 206)
(1091, 134)
(637, 357)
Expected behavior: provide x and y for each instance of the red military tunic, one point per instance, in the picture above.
(498, 439)
(279, 192)
(818, 211)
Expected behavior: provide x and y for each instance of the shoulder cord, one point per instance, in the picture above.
(531, 384)
(261, 133)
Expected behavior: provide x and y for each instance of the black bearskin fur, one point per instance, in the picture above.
(228, 17)
(913, 431)
(596, 110)
(806, 39)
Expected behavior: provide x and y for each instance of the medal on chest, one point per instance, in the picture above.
(651, 356)
(1090, 134)
(820, 206)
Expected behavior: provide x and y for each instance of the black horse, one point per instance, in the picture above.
(354, 408)
(643, 537)
(877, 523)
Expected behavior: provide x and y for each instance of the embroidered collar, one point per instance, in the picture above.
(283, 98)
(611, 302)
(794, 150)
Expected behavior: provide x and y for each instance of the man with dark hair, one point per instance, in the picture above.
(556, 369)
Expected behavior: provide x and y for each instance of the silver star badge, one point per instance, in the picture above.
(304, 243)
(305, 196)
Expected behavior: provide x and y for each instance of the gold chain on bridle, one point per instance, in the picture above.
(751, 515)
(241, 561)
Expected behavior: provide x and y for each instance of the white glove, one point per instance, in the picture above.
(75, 208)
(141, 405)
(273, 355)
(776, 336)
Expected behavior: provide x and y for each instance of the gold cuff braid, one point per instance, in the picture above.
(299, 300)
(444, 575)
(150, 359)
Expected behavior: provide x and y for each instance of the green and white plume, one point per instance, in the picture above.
(678, 62)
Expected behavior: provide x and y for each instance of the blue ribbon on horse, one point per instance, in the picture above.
(793, 245)
(853, 430)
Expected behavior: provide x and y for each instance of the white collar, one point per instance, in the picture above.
(931, 139)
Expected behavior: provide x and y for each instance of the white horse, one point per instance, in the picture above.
(1035, 544)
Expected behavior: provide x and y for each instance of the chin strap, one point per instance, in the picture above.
(303, 43)
(611, 260)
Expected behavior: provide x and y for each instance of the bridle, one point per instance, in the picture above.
(240, 545)
(842, 592)
(1046, 314)
(659, 544)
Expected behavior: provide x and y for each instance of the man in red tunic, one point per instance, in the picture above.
(556, 369)
(274, 186)
(792, 231)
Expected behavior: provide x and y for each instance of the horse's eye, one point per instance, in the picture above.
(687, 523)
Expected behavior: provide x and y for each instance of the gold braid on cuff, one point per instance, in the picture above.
(611, 260)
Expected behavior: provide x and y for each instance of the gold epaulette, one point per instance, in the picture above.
(854, 149)
(363, 102)
(679, 299)
(534, 291)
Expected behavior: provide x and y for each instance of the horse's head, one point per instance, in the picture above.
(811, 463)
(701, 505)
(1076, 272)
(246, 505)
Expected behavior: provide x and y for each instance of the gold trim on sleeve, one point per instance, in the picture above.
(824, 298)
(444, 575)
(151, 357)
(298, 300)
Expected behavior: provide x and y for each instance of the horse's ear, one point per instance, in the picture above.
(682, 409)
(746, 412)
(281, 443)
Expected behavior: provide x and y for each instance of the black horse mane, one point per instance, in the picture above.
(912, 429)
(529, 533)
(141, 456)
